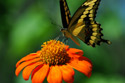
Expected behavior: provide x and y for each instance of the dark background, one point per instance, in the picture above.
(26, 24)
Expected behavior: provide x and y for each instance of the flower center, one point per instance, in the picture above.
(54, 53)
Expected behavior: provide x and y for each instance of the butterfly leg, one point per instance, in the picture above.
(57, 38)
(65, 40)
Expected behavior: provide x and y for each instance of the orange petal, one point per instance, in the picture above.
(76, 52)
(67, 48)
(21, 66)
(36, 69)
(28, 57)
(83, 65)
(40, 75)
(67, 73)
(27, 70)
(54, 75)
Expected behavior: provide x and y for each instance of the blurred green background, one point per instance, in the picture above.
(26, 24)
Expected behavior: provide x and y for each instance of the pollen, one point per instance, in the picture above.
(53, 53)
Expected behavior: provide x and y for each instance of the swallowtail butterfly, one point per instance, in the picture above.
(82, 24)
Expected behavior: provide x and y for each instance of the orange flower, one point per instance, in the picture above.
(55, 61)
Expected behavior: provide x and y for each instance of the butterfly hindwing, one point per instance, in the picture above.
(65, 13)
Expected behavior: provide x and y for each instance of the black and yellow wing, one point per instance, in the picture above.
(88, 9)
(84, 26)
(65, 13)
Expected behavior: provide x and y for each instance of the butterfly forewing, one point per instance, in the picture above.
(65, 13)
(87, 9)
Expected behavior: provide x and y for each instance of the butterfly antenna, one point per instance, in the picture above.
(54, 23)
(65, 40)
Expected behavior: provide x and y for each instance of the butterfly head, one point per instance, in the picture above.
(65, 32)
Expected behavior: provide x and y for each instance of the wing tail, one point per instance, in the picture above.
(96, 37)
